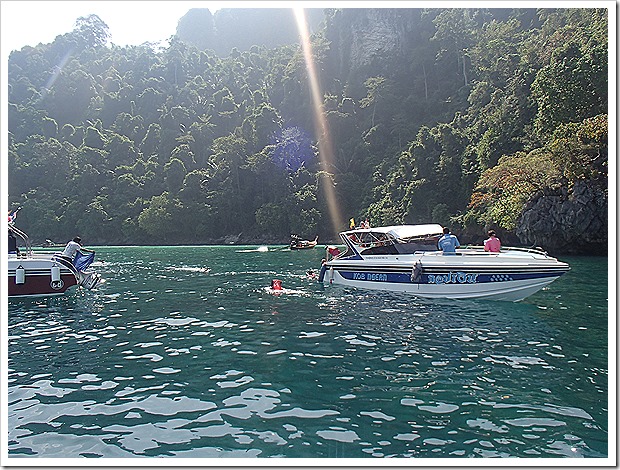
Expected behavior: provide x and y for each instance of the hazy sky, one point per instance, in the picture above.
(28, 23)
(33, 22)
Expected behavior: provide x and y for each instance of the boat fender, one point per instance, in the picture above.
(416, 272)
(331, 275)
(20, 275)
(55, 273)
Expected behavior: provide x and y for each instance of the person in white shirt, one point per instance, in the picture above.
(73, 247)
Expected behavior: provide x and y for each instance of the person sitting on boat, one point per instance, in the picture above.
(73, 247)
(13, 248)
(295, 242)
(449, 242)
(492, 244)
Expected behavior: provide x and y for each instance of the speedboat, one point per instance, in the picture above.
(43, 274)
(405, 258)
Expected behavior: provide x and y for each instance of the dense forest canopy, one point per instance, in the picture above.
(475, 118)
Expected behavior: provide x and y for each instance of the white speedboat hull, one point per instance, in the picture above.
(507, 288)
(44, 274)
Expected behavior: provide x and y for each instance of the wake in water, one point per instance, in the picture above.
(192, 269)
(260, 249)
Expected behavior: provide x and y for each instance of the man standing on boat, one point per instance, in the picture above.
(73, 252)
(73, 247)
(448, 243)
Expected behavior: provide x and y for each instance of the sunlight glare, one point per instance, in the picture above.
(55, 73)
(326, 155)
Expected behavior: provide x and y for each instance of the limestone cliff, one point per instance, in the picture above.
(368, 39)
(570, 222)
(377, 34)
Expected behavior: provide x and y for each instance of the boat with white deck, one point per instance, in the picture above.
(404, 258)
(43, 273)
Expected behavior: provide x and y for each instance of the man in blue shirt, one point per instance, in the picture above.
(448, 243)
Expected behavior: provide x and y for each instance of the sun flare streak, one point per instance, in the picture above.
(55, 74)
(326, 154)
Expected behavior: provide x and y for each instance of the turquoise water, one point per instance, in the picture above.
(183, 352)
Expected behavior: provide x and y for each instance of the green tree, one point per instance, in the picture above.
(502, 191)
(375, 87)
(157, 218)
(271, 219)
(174, 172)
(92, 31)
(572, 87)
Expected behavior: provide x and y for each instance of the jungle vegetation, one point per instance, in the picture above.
(205, 137)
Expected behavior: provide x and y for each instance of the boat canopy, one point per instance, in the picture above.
(392, 239)
(402, 232)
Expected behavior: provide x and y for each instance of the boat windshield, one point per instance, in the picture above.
(375, 242)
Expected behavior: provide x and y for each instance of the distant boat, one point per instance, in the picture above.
(297, 244)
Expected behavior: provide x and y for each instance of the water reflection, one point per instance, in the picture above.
(193, 363)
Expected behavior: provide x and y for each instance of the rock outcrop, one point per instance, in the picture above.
(363, 40)
(380, 34)
(568, 222)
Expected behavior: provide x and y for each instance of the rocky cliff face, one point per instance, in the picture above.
(366, 40)
(377, 34)
(569, 222)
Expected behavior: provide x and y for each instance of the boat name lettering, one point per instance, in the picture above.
(370, 277)
(458, 277)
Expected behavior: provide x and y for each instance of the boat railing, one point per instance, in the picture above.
(535, 250)
(21, 234)
(477, 250)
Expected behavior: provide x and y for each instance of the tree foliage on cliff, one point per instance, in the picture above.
(433, 115)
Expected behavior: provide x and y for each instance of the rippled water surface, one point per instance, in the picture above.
(183, 352)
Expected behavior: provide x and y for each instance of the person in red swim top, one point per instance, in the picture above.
(492, 244)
